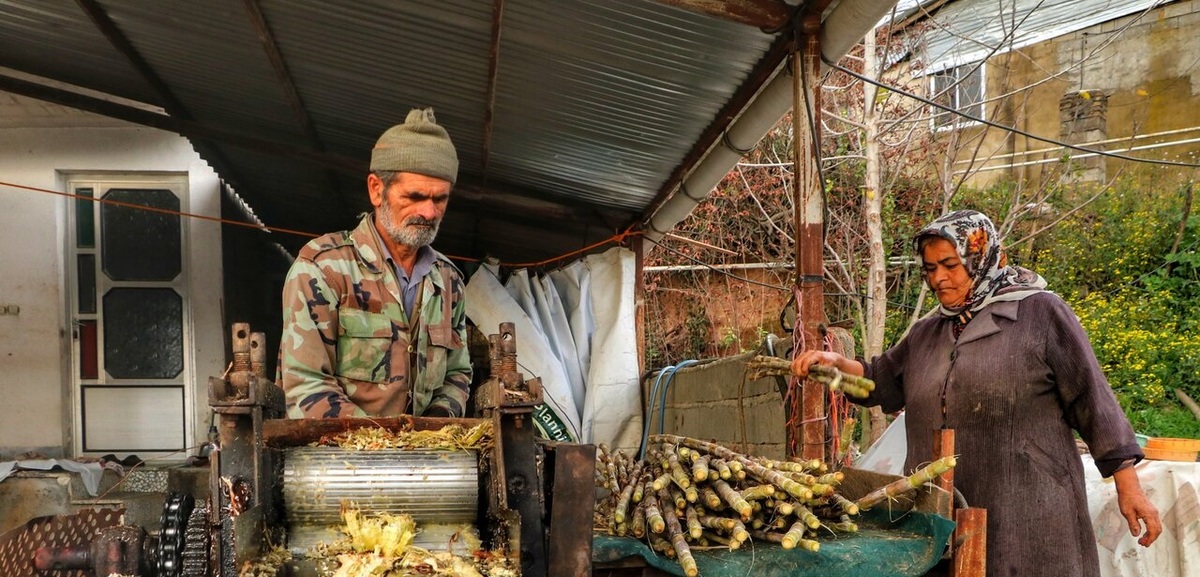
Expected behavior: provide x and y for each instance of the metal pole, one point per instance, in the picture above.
(809, 217)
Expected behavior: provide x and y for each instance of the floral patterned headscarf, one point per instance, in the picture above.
(977, 244)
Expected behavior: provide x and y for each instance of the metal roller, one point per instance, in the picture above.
(431, 486)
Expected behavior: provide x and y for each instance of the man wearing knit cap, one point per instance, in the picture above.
(374, 321)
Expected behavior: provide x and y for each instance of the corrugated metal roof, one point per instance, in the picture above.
(966, 31)
(597, 105)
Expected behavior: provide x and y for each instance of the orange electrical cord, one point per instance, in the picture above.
(615, 239)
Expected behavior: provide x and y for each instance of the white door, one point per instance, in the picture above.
(130, 328)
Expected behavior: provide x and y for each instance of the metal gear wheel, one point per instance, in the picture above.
(176, 511)
(197, 540)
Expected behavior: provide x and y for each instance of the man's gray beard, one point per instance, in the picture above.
(409, 234)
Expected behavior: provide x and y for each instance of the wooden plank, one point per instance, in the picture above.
(943, 446)
(970, 538)
(572, 497)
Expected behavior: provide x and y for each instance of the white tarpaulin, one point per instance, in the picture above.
(1174, 488)
(575, 329)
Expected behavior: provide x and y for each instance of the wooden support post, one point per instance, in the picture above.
(970, 543)
(943, 446)
(809, 218)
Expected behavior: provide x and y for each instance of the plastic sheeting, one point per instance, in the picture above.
(907, 546)
(575, 329)
(1174, 488)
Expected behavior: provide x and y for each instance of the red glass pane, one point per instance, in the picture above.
(88, 365)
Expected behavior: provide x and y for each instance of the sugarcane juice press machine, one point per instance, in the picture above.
(270, 487)
(527, 497)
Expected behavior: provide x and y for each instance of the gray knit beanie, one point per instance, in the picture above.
(419, 145)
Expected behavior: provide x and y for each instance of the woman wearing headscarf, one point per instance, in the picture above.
(1006, 364)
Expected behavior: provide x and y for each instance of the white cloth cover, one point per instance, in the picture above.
(1174, 488)
(90, 473)
(575, 329)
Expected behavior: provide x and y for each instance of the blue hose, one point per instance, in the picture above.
(669, 373)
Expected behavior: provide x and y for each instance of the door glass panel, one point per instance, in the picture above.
(87, 284)
(88, 365)
(85, 225)
(137, 244)
(143, 333)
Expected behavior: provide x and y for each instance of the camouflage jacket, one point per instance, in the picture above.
(347, 348)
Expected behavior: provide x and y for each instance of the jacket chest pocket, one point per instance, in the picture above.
(432, 360)
(364, 345)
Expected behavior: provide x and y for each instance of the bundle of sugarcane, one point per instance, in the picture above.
(852, 385)
(688, 493)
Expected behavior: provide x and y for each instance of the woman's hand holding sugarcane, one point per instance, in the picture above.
(806, 359)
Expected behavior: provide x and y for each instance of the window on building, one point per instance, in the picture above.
(960, 89)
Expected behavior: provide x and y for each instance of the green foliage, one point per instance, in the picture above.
(1138, 301)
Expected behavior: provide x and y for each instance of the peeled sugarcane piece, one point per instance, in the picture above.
(692, 494)
(700, 468)
(909, 483)
(693, 522)
(679, 541)
(739, 532)
(654, 518)
(733, 499)
(846, 505)
(758, 492)
(626, 494)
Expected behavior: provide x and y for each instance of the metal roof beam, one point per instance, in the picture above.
(489, 111)
(267, 38)
(765, 14)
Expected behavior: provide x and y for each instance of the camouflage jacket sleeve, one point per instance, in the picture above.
(308, 346)
(452, 395)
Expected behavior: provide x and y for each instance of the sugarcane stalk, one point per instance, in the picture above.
(654, 518)
(626, 494)
(692, 519)
(679, 541)
(638, 525)
(767, 536)
(847, 506)
(806, 517)
(909, 483)
(722, 469)
(731, 543)
(733, 499)
(758, 492)
(700, 468)
(678, 475)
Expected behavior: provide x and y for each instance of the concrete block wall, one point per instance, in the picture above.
(714, 401)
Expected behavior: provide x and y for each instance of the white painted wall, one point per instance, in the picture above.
(34, 344)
